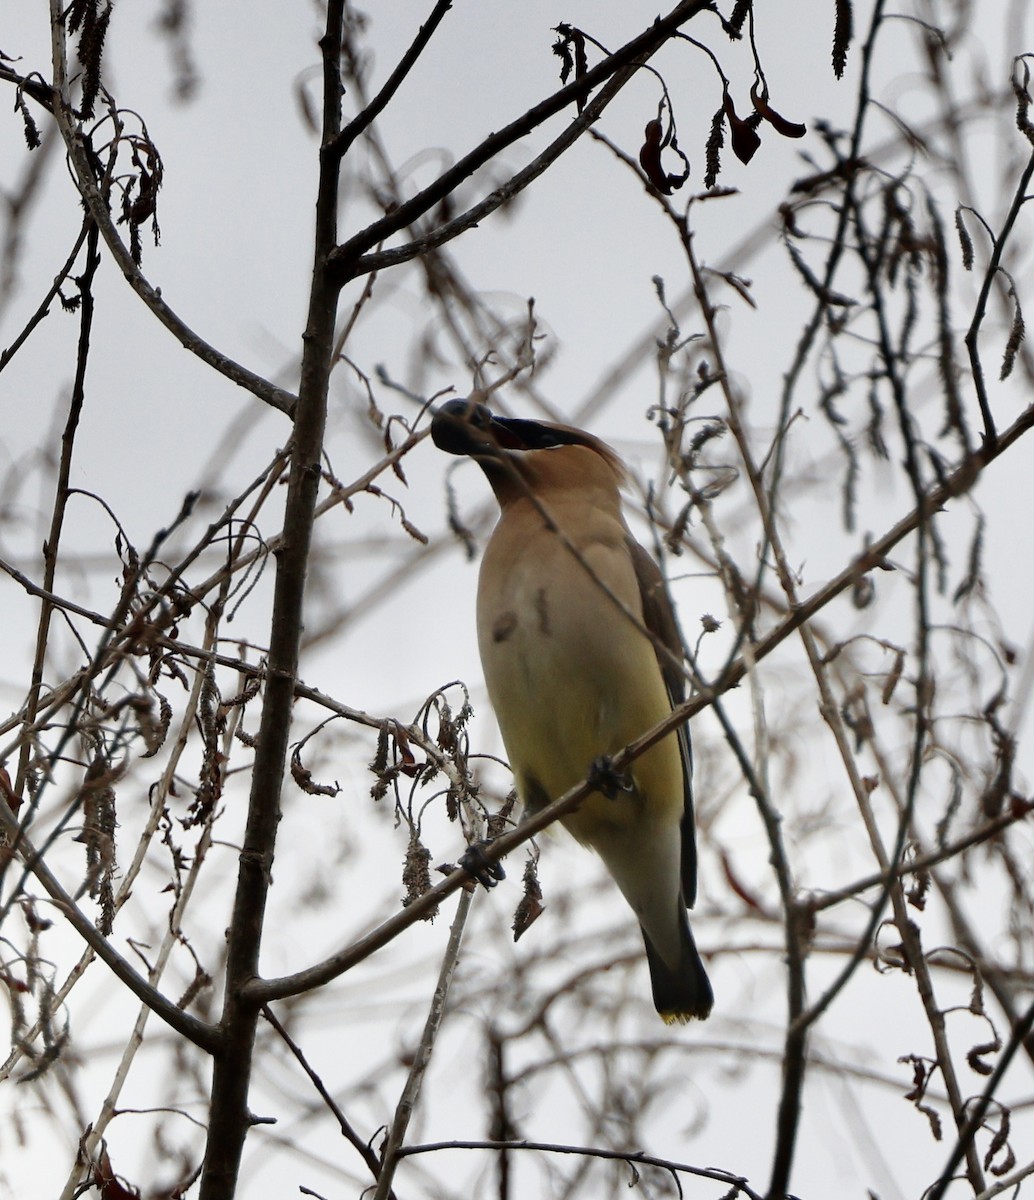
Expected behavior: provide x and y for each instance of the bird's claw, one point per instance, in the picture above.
(480, 867)
(606, 778)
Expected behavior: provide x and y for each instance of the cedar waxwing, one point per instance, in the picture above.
(573, 678)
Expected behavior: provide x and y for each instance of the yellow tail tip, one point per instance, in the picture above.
(675, 1016)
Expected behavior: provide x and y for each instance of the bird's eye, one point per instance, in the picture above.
(467, 411)
(459, 427)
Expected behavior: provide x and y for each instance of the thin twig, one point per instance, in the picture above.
(341, 144)
(346, 1127)
(48, 299)
(1020, 197)
(422, 1057)
(51, 547)
(739, 1185)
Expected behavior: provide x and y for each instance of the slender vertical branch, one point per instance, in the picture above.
(57, 519)
(229, 1116)
(893, 368)
(1020, 197)
(415, 1078)
(794, 1058)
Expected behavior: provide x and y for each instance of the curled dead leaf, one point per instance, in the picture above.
(743, 132)
(790, 129)
(654, 142)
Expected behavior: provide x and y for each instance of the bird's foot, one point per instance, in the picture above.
(605, 777)
(480, 867)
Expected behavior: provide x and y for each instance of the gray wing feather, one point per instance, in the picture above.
(659, 618)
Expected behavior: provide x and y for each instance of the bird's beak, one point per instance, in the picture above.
(468, 428)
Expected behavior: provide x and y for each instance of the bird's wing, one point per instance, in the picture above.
(659, 619)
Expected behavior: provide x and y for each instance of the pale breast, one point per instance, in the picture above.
(569, 675)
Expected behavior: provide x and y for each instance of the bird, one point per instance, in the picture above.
(581, 653)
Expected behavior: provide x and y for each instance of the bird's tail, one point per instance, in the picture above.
(681, 992)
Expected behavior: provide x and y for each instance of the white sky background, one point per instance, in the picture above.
(585, 241)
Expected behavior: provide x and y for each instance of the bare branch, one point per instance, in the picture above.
(348, 259)
(364, 119)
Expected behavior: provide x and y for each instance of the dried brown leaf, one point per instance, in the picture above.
(303, 778)
(790, 129)
(742, 132)
(530, 907)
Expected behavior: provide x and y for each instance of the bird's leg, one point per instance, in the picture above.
(480, 867)
(605, 777)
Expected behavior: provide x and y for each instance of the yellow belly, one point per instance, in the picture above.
(571, 679)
